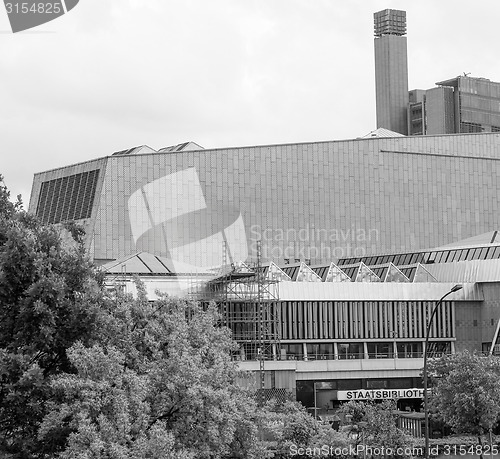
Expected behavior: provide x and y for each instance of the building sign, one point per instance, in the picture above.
(379, 394)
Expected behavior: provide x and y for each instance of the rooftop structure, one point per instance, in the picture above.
(390, 22)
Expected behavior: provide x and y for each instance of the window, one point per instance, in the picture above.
(292, 352)
(67, 198)
(409, 350)
(496, 253)
(484, 251)
(377, 384)
(380, 350)
(463, 255)
(438, 349)
(439, 257)
(322, 351)
(350, 350)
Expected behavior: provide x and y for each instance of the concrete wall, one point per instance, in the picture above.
(391, 83)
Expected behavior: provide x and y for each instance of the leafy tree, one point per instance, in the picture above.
(466, 392)
(296, 430)
(160, 375)
(8, 208)
(380, 424)
(46, 290)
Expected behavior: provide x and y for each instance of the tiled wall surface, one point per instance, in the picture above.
(317, 201)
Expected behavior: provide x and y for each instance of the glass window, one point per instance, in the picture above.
(496, 253)
(463, 255)
(377, 384)
(439, 257)
(475, 255)
(484, 251)
(350, 350)
(400, 383)
(380, 350)
(446, 256)
(409, 350)
(489, 254)
(438, 348)
(414, 258)
(430, 257)
(349, 384)
(321, 351)
(407, 259)
(292, 351)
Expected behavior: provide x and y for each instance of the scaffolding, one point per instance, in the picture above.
(247, 300)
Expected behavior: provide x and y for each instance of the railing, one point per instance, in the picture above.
(312, 357)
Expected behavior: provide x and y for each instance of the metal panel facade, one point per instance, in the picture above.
(312, 201)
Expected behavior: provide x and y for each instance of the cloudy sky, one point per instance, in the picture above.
(113, 74)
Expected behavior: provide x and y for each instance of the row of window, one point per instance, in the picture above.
(343, 351)
(442, 256)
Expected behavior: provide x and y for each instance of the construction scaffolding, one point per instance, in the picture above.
(247, 299)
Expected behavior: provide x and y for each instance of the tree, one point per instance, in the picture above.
(8, 208)
(46, 304)
(466, 392)
(380, 424)
(296, 432)
(161, 375)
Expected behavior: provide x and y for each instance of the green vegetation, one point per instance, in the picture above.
(466, 392)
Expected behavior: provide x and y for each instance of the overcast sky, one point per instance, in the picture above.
(113, 74)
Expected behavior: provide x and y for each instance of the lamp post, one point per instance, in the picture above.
(315, 402)
(455, 288)
(363, 425)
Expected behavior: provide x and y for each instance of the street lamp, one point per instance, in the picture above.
(315, 402)
(455, 288)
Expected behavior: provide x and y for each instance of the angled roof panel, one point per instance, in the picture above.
(274, 272)
(422, 275)
(291, 270)
(335, 274)
(394, 274)
(306, 274)
(365, 274)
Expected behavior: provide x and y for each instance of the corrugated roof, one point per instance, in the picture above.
(466, 271)
(484, 239)
(376, 291)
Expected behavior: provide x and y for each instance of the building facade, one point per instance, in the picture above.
(354, 330)
(458, 105)
(312, 202)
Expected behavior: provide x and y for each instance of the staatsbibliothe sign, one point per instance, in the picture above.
(379, 394)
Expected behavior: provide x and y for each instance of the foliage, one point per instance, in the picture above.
(46, 305)
(161, 375)
(296, 429)
(466, 391)
(380, 424)
(8, 208)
